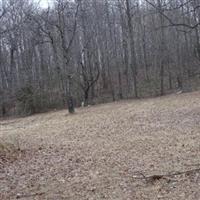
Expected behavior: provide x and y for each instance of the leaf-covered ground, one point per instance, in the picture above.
(109, 151)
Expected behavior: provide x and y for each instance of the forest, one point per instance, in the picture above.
(129, 70)
(85, 52)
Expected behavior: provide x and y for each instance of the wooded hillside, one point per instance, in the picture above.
(95, 51)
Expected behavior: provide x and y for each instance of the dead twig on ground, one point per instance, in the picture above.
(19, 196)
(155, 177)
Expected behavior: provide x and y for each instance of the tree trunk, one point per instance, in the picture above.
(70, 100)
(132, 47)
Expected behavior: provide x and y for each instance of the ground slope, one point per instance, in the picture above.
(109, 151)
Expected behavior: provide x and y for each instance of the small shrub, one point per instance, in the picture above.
(25, 100)
(9, 151)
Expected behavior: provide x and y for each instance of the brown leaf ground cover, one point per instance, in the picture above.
(119, 151)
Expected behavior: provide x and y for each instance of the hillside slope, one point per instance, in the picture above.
(109, 151)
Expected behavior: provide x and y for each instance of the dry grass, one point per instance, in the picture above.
(103, 152)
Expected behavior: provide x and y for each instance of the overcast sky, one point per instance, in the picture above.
(44, 3)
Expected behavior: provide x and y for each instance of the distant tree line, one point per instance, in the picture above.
(95, 51)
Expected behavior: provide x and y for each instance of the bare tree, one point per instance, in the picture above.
(95, 51)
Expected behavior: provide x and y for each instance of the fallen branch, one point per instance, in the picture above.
(155, 177)
(19, 196)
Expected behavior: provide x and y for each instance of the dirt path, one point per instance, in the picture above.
(104, 152)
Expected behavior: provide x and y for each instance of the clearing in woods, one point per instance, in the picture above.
(137, 149)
